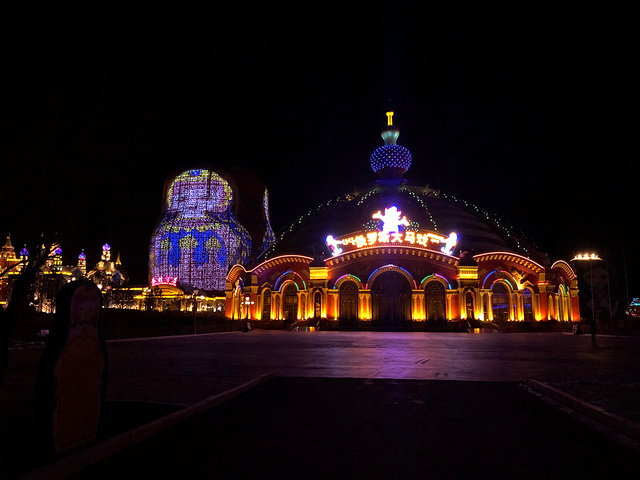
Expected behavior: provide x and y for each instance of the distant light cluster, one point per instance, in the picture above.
(198, 237)
(390, 156)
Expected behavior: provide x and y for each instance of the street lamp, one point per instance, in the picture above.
(591, 257)
(247, 302)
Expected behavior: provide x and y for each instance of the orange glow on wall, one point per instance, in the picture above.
(318, 273)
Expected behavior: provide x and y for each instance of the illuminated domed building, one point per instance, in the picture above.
(393, 255)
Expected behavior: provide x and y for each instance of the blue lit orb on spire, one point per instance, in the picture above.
(390, 160)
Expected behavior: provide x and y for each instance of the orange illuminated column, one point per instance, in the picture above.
(275, 305)
(519, 306)
(418, 309)
(254, 305)
(490, 305)
(332, 305)
(228, 304)
(543, 302)
(453, 306)
(364, 306)
(323, 304)
(574, 303)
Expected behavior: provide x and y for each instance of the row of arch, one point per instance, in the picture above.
(392, 298)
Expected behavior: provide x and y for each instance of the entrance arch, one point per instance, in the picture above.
(500, 299)
(435, 301)
(348, 301)
(290, 303)
(391, 299)
(266, 304)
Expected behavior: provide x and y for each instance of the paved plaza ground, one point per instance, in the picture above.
(367, 405)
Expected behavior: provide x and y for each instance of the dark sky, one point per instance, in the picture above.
(528, 111)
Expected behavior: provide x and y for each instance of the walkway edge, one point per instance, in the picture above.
(622, 425)
(92, 455)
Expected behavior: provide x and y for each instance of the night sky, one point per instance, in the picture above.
(530, 112)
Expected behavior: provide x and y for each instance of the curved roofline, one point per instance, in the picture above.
(279, 260)
(566, 268)
(535, 266)
(391, 268)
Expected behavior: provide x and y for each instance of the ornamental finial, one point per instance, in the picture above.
(389, 118)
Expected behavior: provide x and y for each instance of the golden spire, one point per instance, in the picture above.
(389, 118)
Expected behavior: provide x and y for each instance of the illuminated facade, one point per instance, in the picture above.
(200, 234)
(395, 255)
(198, 237)
(54, 274)
(9, 265)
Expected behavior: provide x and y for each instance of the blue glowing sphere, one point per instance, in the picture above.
(391, 158)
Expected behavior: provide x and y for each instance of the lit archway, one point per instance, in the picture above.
(391, 299)
(500, 302)
(348, 301)
(435, 301)
(527, 304)
(290, 302)
(266, 304)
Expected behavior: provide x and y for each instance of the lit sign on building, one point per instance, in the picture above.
(390, 235)
(164, 281)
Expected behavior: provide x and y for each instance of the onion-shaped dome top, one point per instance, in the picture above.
(82, 255)
(390, 160)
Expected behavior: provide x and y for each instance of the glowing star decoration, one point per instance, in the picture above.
(450, 243)
(333, 245)
(391, 220)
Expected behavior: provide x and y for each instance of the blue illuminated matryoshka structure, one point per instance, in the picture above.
(198, 237)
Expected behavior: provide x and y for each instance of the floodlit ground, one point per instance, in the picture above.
(442, 371)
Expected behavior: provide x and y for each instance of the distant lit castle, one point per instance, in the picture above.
(53, 274)
(394, 254)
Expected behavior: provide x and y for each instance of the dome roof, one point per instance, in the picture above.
(422, 209)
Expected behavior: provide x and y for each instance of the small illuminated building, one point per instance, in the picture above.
(393, 254)
(106, 273)
(10, 265)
